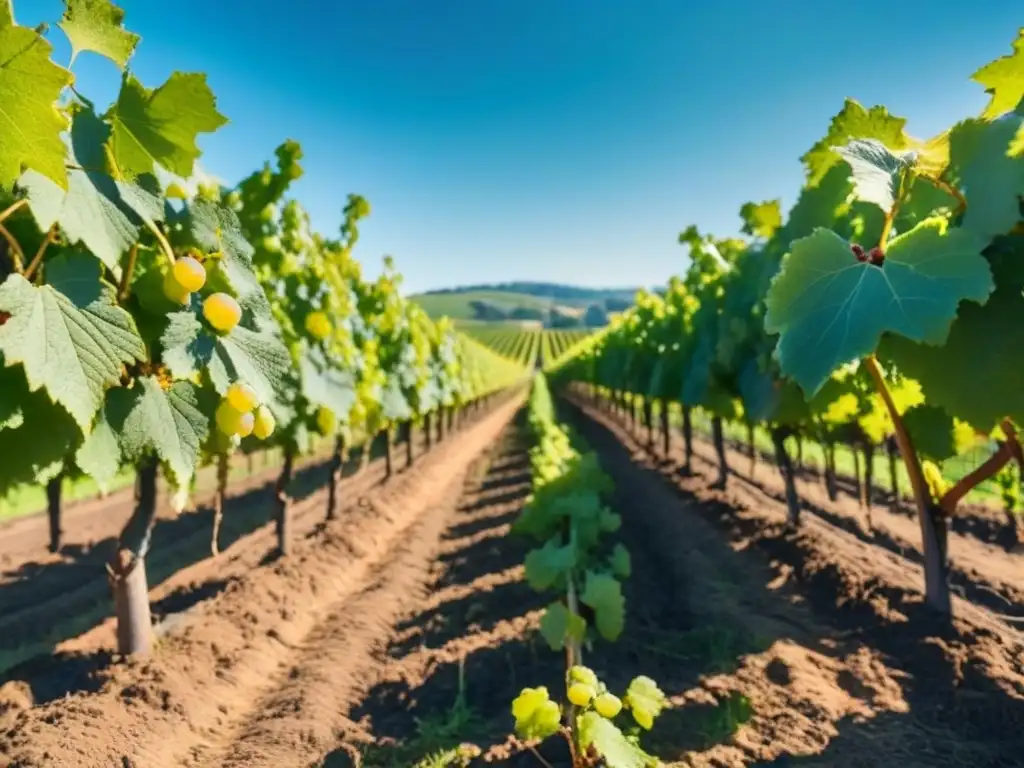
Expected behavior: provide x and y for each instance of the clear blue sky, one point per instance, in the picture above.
(556, 140)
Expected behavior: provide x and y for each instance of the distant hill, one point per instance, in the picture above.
(551, 304)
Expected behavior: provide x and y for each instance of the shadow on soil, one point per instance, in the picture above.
(465, 695)
(76, 589)
(972, 719)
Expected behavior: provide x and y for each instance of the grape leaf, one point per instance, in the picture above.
(829, 309)
(610, 743)
(761, 219)
(991, 176)
(537, 716)
(216, 227)
(70, 335)
(99, 455)
(35, 444)
(257, 359)
(323, 385)
(818, 205)
(393, 404)
(603, 593)
(621, 563)
(1004, 80)
(96, 25)
(150, 420)
(559, 623)
(92, 210)
(853, 122)
(932, 430)
(30, 86)
(877, 171)
(160, 127)
(545, 565)
(968, 376)
(645, 700)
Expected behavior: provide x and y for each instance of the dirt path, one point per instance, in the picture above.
(224, 668)
(983, 573)
(865, 678)
(62, 602)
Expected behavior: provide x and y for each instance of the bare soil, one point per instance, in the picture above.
(404, 629)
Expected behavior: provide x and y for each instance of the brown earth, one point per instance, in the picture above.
(405, 629)
(224, 667)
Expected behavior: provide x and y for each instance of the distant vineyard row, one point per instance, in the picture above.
(528, 345)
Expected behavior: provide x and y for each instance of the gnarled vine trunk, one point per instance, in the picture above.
(785, 465)
(666, 430)
(688, 439)
(334, 482)
(718, 436)
(53, 510)
(428, 431)
(282, 518)
(648, 414)
(752, 447)
(869, 473)
(218, 502)
(410, 452)
(389, 465)
(831, 486)
(128, 567)
(858, 487)
(894, 477)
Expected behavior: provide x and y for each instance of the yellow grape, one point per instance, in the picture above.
(222, 311)
(246, 424)
(175, 190)
(242, 397)
(174, 291)
(318, 325)
(264, 424)
(189, 273)
(580, 694)
(325, 420)
(608, 705)
(229, 419)
(580, 674)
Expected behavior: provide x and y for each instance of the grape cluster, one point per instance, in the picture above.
(240, 413)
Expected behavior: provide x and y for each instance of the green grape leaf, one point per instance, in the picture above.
(257, 359)
(604, 737)
(932, 430)
(829, 309)
(169, 423)
(70, 335)
(35, 444)
(30, 87)
(761, 219)
(215, 227)
(545, 565)
(326, 386)
(1004, 80)
(97, 25)
(853, 122)
(603, 593)
(559, 623)
(621, 563)
(99, 455)
(160, 127)
(990, 174)
(968, 376)
(94, 209)
(819, 205)
(645, 700)
(877, 171)
(394, 405)
(537, 716)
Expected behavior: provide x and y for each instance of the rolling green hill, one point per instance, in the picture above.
(549, 304)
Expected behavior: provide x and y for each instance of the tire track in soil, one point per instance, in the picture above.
(875, 681)
(197, 693)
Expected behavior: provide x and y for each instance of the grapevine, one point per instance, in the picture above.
(880, 312)
(576, 561)
(150, 319)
